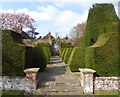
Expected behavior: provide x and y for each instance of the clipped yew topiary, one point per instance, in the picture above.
(101, 19)
(76, 59)
(64, 53)
(103, 55)
(69, 52)
(13, 54)
(65, 45)
(80, 42)
(61, 51)
(43, 44)
(37, 57)
(47, 47)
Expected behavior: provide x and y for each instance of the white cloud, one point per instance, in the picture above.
(24, 10)
(50, 17)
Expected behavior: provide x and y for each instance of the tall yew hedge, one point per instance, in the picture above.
(76, 59)
(103, 55)
(101, 19)
(13, 54)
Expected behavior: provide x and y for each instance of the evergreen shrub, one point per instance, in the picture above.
(76, 59)
(80, 42)
(65, 45)
(37, 57)
(103, 55)
(61, 51)
(101, 19)
(68, 55)
(63, 56)
(13, 54)
(47, 47)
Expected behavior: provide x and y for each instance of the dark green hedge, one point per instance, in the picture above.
(65, 45)
(61, 51)
(16, 56)
(76, 59)
(47, 47)
(13, 54)
(37, 57)
(69, 51)
(48, 52)
(64, 53)
(103, 55)
(80, 42)
(43, 45)
(101, 19)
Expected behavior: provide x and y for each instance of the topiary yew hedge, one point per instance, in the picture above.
(16, 56)
(65, 45)
(69, 51)
(38, 56)
(47, 47)
(61, 51)
(76, 59)
(103, 55)
(64, 53)
(101, 19)
(13, 54)
(80, 42)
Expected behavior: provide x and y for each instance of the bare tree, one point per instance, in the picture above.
(80, 29)
(77, 31)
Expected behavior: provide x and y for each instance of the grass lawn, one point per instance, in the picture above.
(108, 94)
(11, 93)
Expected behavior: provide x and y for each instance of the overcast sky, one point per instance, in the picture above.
(55, 16)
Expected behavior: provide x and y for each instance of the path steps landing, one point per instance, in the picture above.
(57, 79)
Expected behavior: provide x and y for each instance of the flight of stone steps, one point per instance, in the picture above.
(58, 80)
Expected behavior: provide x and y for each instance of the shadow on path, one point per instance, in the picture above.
(53, 69)
(57, 79)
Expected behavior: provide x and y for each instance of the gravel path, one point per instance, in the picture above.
(57, 79)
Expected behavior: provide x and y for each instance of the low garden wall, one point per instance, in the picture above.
(106, 84)
(27, 83)
(93, 84)
(16, 83)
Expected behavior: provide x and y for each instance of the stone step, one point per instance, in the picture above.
(59, 91)
(58, 80)
(62, 84)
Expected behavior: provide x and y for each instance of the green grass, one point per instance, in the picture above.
(11, 93)
(108, 94)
